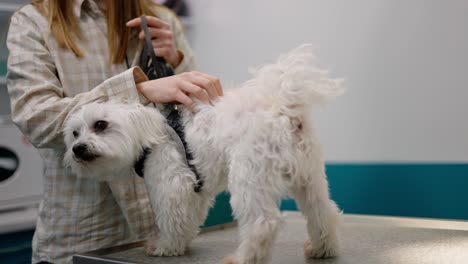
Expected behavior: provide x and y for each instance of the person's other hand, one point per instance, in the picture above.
(181, 87)
(161, 37)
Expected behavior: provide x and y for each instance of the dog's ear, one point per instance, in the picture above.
(148, 123)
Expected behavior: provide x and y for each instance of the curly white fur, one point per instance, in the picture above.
(257, 141)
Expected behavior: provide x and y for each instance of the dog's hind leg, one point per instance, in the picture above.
(255, 205)
(321, 212)
(179, 210)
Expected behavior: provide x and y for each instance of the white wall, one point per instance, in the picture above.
(405, 64)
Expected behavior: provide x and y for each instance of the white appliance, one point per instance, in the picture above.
(21, 169)
(21, 184)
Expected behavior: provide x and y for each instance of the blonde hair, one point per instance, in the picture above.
(65, 28)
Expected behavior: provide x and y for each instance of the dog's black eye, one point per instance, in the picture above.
(76, 134)
(100, 125)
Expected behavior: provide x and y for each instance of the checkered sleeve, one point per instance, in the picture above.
(132, 198)
(39, 105)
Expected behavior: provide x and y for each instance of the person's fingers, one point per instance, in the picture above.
(206, 84)
(134, 22)
(214, 80)
(156, 33)
(156, 22)
(160, 43)
(152, 22)
(194, 90)
(185, 100)
(165, 52)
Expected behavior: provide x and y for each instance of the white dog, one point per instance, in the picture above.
(257, 141)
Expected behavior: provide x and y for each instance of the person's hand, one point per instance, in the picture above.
(162, 39)
(181, 87)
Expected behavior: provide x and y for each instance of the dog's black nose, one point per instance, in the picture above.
(79, 149)
(83, 152)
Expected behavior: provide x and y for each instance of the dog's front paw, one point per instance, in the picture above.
(152, 248)
(325, 249)
(230, 260)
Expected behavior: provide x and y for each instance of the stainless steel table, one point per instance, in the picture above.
(363, 239)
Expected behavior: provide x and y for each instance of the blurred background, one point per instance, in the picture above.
(395, 144)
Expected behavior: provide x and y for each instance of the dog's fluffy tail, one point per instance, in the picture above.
(294, 81)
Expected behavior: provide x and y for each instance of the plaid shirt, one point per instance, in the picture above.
(46, 84)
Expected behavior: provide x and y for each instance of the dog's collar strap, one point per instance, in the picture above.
(139, 166)
(176, 131)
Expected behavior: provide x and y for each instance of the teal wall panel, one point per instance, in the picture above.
(15, 248)
(221, 212)
(3, 68)
(414, 190)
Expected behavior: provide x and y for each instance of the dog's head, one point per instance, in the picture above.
(104, 140)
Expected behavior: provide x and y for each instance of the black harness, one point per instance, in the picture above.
(156, 67)
(139, 166)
